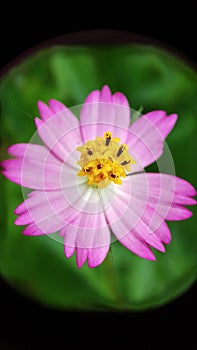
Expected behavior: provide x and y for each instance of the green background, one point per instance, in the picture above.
(36, 266)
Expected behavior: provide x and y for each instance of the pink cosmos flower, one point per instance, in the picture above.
(88, 178)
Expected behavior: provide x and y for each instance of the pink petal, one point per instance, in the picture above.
(44, 110)
(124, 217)
(46, 211)
(136, 246)
(140, 206)
(69, 240)
(69, 251)
(54, 107)
(182, 187)
(103, 112)
(57, 106)
(164, 123)
(81, 257)
(85, 200)
(60, 133)
(163, 233)
(53, 210)
(87, 220)
(105, 94)
(90, 241)
(166, 194)
(24, 219)
(177, 213)
(156, 224)
(49, 211)
(120, 99)
(147, 135)
(19, 150)
(33, 230)
(97, 255)
(36, 168)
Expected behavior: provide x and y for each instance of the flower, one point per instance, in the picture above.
(88, 178)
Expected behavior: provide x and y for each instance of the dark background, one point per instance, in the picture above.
(25, 324)
(24, 27)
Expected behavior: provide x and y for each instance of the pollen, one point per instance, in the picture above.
(104, 160)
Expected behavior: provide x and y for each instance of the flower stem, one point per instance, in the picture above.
(112, 282)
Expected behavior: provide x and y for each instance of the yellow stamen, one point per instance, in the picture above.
(104, 160)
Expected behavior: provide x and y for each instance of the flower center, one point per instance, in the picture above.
(104, 160)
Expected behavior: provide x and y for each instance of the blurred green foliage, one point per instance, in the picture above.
(36, 266)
